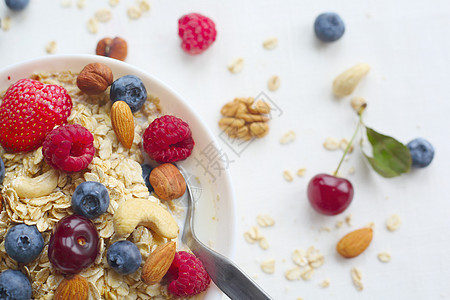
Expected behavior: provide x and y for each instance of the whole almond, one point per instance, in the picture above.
(73, 288)
(167, 181)
(355, 242)
(95, 78)
(122, 122)
(158, 263)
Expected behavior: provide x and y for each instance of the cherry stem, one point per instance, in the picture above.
(350, 143)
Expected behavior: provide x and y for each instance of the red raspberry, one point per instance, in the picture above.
(168, 139)
(197, 32)
(187, 276)
(69, 148)
(29, 111)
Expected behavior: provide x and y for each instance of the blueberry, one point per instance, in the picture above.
(329, 27)
(422, 152)
(124, 257)
(2, 170)
(90, 199)
(130, 89)
(146, 170)
(14, 285)
(24, 243)
(17, 5)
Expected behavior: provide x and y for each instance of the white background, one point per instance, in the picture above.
(406, 43)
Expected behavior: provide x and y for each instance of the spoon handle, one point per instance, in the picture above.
(226, 275)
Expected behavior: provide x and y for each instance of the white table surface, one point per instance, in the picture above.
(406, 43)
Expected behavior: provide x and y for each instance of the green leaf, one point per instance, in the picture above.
(390, 157)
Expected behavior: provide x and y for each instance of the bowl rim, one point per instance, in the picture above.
(90, 58)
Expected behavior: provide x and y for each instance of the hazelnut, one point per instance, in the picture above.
(115, 48)
(167, 182)
(94, 78)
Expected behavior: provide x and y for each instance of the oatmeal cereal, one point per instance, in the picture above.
(357, 278)
(268, 266)
(144, 6)
(236, 66)
(51, 47)
(134, 12)
(384, 257)
(288, 137)
(348, 220)
(273, 83)
(265, 220)
(66, 3)
(325, 283)
(331, 143)
(81, 4)
(113, 165)
(103, 15)
(287, 176)
(270, 43)
(6, 23)
(393, 222)
(301, 172)
(92, 25)
(113, 2)
(263, 243)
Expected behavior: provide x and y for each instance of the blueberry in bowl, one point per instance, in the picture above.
(422, 152)
(146, 170)
(24, 243)
(124, 257)
(90, 199)
(131, 90)
(329, 27)
(2, 170)
(14, 285)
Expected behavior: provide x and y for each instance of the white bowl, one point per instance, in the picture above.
(215, 208)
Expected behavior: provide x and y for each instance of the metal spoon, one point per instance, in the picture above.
(223, 272)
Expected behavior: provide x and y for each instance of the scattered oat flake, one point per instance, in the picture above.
(325, 283)
(144, 6)
(270, 43)
(393, 222)
(293, 274)
(236, 66)
(6, 23)
(252, 235)
(371, 225)
(263, 243)
(288, 137)
(343, 144)
(314, 257)
(66, 3)
(268, 266)
(92, 25)
(81, 4)
(307, 273)
(134, 12)
(348, 220)
(357, 103)
(299, 257)
(357, 278)
(384, 257)
(351, 170)
(113, 2)
(288, 176)
(331, 143)
(265, 220)
(301, 172)
(51, 47)
(339, 224)
(103, 15)
(326, 228)
(273, 83)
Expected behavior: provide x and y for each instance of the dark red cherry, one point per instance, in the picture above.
(74, 244)
(329, 195)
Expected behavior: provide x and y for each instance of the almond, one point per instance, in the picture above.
(158, 263)
(355, 242)
(73, 288)
(122, 121)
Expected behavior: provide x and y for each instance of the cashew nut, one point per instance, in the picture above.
(38, 186)
(143, 212)
(345, 83)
